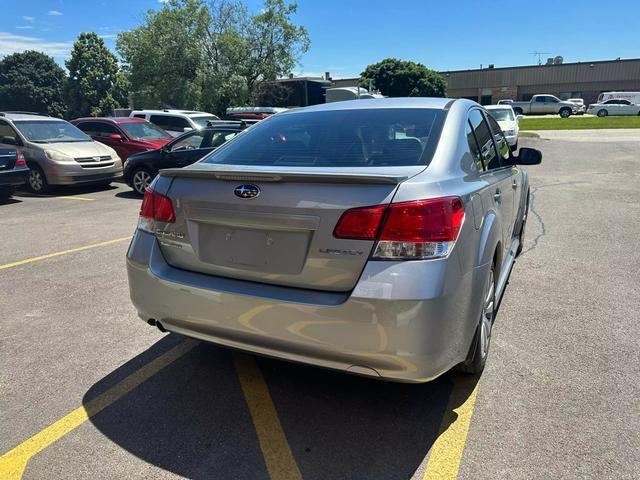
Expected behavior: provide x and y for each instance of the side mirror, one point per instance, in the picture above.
(528, 156)
(519, 117)
(115, 136)
(187, 129)
(9, 140)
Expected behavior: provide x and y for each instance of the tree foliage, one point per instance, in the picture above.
(209, 55)
(93, 86)
(398, 78)
(31, 81)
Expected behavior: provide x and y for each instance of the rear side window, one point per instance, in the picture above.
(501, 142)
(97, 129)
(473, 147)
(483, 135)
(338, 138)
(139, 115)
(167, 122)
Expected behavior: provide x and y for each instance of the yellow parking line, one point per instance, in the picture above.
(14, 462)
(275, 449)
(63, 252)
(83, 199)
(446, 452)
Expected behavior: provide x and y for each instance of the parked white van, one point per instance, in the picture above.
(633, 97)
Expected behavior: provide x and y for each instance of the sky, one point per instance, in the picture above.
(347, 35)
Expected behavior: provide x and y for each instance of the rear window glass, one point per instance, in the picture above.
(340, 138)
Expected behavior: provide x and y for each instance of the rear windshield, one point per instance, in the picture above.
(340, 138)
(50, 131)
(501, 114)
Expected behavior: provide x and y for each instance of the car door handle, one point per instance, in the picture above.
(497, 196)
(514, 184)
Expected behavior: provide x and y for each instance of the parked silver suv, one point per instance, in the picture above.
(57, 152)
(372, 236)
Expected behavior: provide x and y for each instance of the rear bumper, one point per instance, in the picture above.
(13, 178)
(390, 326)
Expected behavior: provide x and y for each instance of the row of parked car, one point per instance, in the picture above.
(41, 151)
(609, 103)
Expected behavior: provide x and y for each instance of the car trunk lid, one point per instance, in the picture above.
(284, 234)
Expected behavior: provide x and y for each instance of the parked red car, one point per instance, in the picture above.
(125, 135)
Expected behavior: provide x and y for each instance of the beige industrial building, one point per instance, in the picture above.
(565, 80)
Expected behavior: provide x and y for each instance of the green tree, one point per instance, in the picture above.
(398, 78)
(92, 87)
(31, 81)
(162, 58)
(209, 55)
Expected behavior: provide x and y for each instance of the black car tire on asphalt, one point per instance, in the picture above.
(33, 184)
(140, 171)
(476, 359)
(602, 113)
(565, 112)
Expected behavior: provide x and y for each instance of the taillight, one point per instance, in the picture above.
(20, 160)
(155, 208)
(410, 230)
(360, 223)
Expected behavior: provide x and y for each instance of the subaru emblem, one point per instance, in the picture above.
(246, 191)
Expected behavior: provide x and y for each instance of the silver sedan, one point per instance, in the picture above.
(369, 236)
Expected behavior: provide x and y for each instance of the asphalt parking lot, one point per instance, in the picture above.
(91, 391)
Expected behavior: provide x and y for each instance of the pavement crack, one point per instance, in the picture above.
(536, 214)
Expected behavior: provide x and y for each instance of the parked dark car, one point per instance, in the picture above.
(184, 150)
(13, 171)
(127, 136)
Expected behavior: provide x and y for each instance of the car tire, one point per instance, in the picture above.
(523, 226)
(517, 111)
(602, 113)
(565, 112)
(37, 180)
(140, 180)
(477, 356)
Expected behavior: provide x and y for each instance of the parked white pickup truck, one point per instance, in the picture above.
(545, 105)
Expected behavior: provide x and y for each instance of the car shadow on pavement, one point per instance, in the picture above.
(9, 201)
(68, 191)
(192, 418)
(129, 194)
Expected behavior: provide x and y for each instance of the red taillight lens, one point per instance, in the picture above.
(20, 160)
(360, 223)
(157, 207)
(410, 230)
(434, 220)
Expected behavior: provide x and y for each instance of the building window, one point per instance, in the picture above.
(485, 100)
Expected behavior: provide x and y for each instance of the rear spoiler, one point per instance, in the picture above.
(242, 175)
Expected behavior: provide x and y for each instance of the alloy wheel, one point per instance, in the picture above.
(36, 182)
(141, 180)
